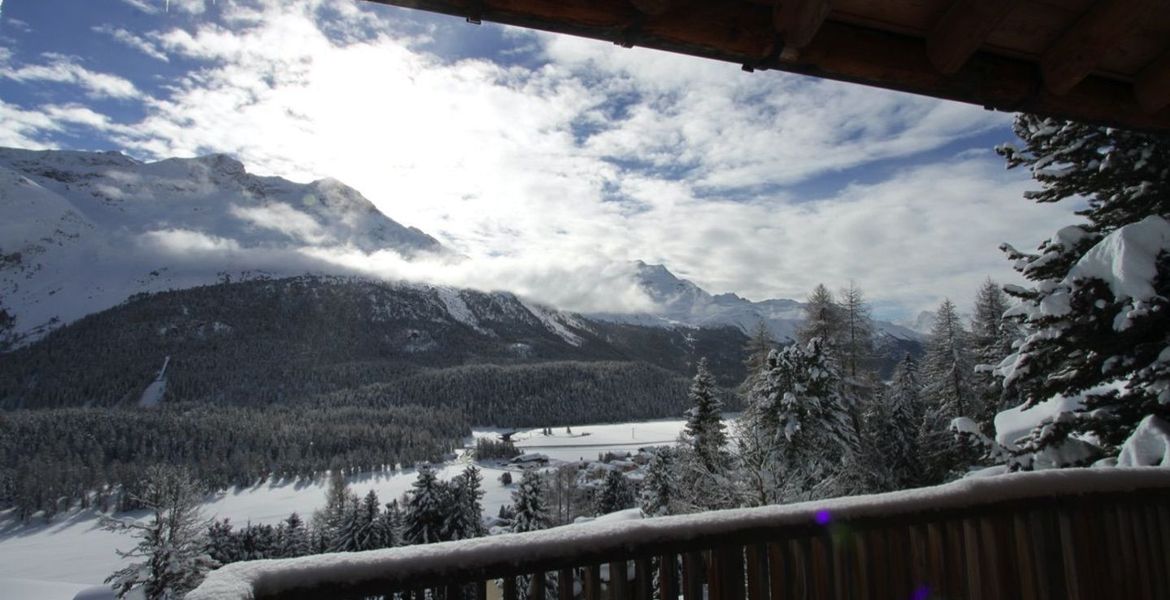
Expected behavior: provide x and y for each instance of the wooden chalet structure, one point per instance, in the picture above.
(1102, 61)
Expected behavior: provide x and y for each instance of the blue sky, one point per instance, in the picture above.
(536, 153)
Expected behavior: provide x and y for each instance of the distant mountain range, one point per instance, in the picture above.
(681, 302)
(81, 232)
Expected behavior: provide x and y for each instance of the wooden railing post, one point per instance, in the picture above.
(592, 582)
(668, 588)
(643, 579)
(692, 576)
(565, 584)
(619, 583)
(509, 588)
(757, 572)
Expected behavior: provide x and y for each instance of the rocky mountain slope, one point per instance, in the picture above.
(81, 231)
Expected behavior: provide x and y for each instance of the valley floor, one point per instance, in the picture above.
(57, 560)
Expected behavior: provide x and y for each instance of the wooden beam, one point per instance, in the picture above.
(742, 33)
(1082, 47)
(962, 29)
(799, 20)
(653, 7)
(1152, 87)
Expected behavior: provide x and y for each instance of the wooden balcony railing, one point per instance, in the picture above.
(1078, 533)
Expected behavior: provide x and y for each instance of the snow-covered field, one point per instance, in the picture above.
(56, 561)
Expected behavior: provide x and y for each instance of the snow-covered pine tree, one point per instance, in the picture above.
(991, 342)
(466, 516)
(615, 493)
(222, 543)
(756, 350)
(822, 318)
(855, 349)
(893, 427)
(347, 537)
(1096, 317)
(949, 365)
(369, 513)
(704, 427)
(658, 487)
(329, 520)
(425, 515)
(798, 431)
(389, 525)
(296, 537)
(528, 506)
(948, 394)
(171, 549)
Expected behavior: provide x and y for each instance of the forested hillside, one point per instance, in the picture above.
(311, 339)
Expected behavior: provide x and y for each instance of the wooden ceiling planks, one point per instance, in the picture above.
(1080, 48)
(1079, 59)
(962, 30)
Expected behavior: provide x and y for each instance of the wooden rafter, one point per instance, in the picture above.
(1152, 87)
(962, 29)
(799, 20)
(854, 50)
(1079, 50)
(653, 7)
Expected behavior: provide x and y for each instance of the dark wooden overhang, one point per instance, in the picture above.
(1103, 61)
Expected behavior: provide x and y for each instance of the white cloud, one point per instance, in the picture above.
(131, 40)
(550, 178)
(66, 69)
(146, 6)
(283, 218)
(185, 241)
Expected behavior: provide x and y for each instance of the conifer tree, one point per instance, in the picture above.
(222, 543)
(389, 525)
(1095, 322)
(424, 517)
(615, 494)
(704, 427)
(856, 346)
(991, 342)
(296, 537)
(368, 536)
(799, 430)
(893, 428)
(330, 519)
(350, 529)
(822, 318)
(756, 351)
(171, 549)
(466, 516)
(949, 365)
(528, 505)
(658, 487)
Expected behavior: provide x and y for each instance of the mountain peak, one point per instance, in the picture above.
(93, 228)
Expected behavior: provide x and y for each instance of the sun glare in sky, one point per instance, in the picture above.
(533, 154)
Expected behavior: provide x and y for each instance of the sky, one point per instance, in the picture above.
(541, 158)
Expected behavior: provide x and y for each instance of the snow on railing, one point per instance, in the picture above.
(1060, 533)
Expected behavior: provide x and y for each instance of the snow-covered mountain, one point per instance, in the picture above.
(82, 231)
(681, 302)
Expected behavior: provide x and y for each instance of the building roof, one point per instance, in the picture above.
(1104, 61)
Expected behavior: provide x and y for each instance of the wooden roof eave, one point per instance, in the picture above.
(753, 35)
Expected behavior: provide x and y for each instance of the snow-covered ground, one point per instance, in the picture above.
(585, 442)
(57, 560)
